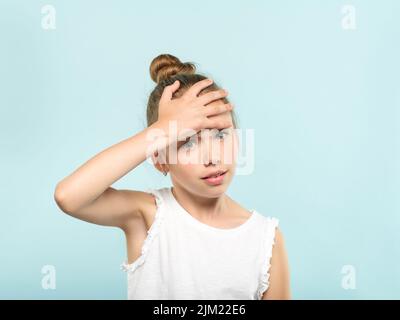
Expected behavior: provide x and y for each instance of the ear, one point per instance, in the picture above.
(159, 160)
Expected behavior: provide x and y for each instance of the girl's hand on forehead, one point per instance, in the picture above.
(191, 112)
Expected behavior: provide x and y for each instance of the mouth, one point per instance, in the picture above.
(215, 178)
(215, 174)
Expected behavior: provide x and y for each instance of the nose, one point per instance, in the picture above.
(211, 153)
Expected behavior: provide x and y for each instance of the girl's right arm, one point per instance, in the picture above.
(87, 194)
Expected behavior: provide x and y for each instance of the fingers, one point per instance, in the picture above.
(218, 123)
(169, 91)
(195, 89)
(217, 109)
(211, 96)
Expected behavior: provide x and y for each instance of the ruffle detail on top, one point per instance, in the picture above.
(151, 234)
(272, 224)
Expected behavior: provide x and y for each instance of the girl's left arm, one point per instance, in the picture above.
(279, 279)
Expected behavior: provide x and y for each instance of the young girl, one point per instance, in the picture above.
(190, 240)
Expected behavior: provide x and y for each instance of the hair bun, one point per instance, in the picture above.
(166, 65)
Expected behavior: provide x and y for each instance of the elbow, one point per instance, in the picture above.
(62, 200)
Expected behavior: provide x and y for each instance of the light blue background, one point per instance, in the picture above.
(323, 102)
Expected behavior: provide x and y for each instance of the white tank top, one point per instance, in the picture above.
(183, 258)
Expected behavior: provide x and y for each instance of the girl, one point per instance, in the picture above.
(190, 240)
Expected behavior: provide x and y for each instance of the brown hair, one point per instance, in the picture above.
(165, 69)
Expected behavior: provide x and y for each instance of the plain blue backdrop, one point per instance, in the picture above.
(323, 101)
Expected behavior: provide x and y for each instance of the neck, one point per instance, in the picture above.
(198, 206)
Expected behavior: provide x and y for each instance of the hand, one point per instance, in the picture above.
(190, 111)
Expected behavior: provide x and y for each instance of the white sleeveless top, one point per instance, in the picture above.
(183, 258)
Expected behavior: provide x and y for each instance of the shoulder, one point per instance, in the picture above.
(278, 269)
(279, 242)
(270, 227)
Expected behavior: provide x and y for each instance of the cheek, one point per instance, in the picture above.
(185, 171)
(229, 150)
(189, 156)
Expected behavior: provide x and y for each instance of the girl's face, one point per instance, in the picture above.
(202, 155)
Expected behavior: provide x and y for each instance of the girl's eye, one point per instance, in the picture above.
(221, 134)
(188, 144)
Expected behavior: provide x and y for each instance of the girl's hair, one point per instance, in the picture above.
(164, 70)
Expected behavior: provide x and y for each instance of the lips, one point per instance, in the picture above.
(215, 174)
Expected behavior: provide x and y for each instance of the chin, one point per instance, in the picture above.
(214, 191)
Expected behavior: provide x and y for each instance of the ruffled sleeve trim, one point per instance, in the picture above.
(151, 234)
(272, 224)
